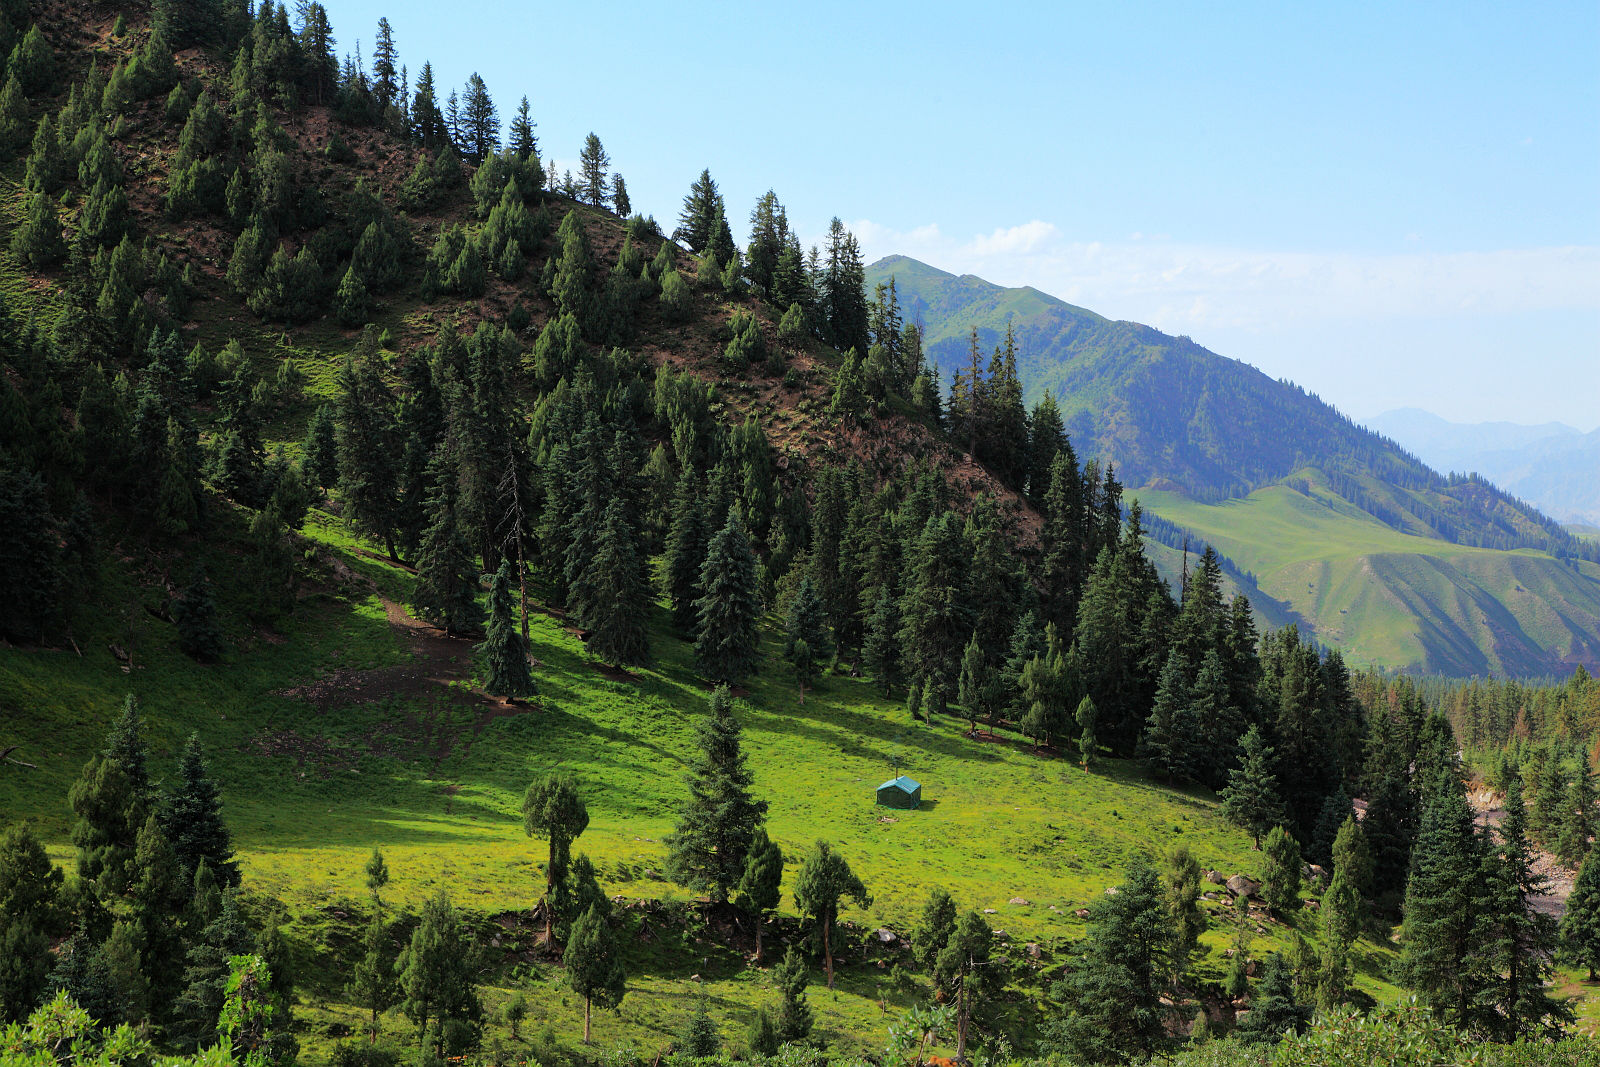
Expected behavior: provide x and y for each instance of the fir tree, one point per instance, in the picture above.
(350, 301)
(436, 975)
(758, 892)
(205, 974)
(29, 888)
(1441, 905)
(1250, 800)
(1274, 1012)
(372, 979)
(728, 611)
(978, 688)
(825, 878)
(38, 240)
(593, 165)
(936, 619)
(446, 593)
(480, 123)
(696, 222)
(687, 543)
(880, 648)
(191, 816)
(807, 636)
(1086, 717)
(1113, 994)
(707, 851)
(1282, 878)
(623, 592)
(794, 1013)
(504, 652)
(619, 197)
(1580, 925)
(523, 144)
(594, 964)
(1181, 893)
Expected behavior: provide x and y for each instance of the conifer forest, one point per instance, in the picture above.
(450, 616)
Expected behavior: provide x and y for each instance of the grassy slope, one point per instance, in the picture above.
(1394, 599)
(435, 779)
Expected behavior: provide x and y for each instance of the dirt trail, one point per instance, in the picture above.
(1486, 804)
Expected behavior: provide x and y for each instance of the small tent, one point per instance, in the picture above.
(901, 792)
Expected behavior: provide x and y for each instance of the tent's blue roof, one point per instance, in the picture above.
(909, 785)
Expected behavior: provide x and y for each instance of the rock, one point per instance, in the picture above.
(1214, 877)
(1209, 896)
(886, 935)
(1082, 913)
(1318, 874)
(1001, 935)
(1239, 1017)
(988, 911)
(1032, 949)
(1242, 885)
(1112, 891)
(1018, 901)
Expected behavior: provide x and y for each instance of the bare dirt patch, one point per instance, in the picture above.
(1486, 804)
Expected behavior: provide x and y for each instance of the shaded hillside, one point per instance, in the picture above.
(1172, 415)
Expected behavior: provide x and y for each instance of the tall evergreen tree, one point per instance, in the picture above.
(523, 144)
(1580, 925)
(730, 607)
(1282, 877)
(594, 165)
(794, 1014)
(936, 617)
(553, 808)
(195, 611)
(825, 879)
(758, 892)
(696, 223)
(1250, 799)
(688, 540)
(504, 652)
(708, 849)
(436, 976)
(617, 632)
(446, 593)
(807, 636)
(594, 964)
(191, 817)
(1113, 994)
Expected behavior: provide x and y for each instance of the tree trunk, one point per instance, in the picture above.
(827, 947)
(388, 543)
(522, 579)
(759, 924)
(588, 1002)
(961, 1020)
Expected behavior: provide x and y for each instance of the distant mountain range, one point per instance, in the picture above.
(1552, 466)
(1344, 529)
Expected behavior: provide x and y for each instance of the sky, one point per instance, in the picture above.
(1391, 204)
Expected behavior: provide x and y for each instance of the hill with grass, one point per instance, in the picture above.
(391, 473)
(1215, 447)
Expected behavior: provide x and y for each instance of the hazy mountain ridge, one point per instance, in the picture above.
(1553, 466)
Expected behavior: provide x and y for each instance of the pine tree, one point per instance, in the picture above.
(351, 300)
(372, 979)
(504, 652)
(1250, 800)
(619, 197)
(880, 648)
(707, 850)
(1282, 878)
(1113, 994)
(1088, 745)
(436, 975)
(978, 688)
(1181, 894)
(553, 808)
(524, 145)
(794, 1014)
(38, 240)
(825, 878)
(205, 974)
(29, 915)
(446, 593)
(594, 164)
(191, 817)
(687, 543)
(758, 892)
(617, 633)
(728, 611)
(807, 636)
(480, 123)
(700, 207)
(1274, 1012)
(937, 620)
(385, 86)
(594, 964)
(1580, 925)
(1442, 904)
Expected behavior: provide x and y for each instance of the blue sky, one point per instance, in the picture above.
(1392, 204)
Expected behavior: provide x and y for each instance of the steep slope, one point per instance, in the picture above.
(1342, 528)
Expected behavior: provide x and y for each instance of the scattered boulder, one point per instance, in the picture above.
(1317, 873)
(989, 911)
(1214, 877)
(1082, 913)
(1112, 891)
(1032, 949)
(1242, 885)
(886, 935)
(1018, 901)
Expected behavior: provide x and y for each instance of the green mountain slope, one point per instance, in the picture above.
(1339, 527)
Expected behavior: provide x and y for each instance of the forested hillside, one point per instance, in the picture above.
(1278, 482)
(445, 614)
